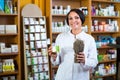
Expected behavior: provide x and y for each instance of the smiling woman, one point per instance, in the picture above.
(75, 19)
(68, 69)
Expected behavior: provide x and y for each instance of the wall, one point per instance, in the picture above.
(40, 3)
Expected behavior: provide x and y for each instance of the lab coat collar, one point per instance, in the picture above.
(78, 35)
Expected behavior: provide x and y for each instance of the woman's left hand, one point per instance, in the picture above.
(80, 57)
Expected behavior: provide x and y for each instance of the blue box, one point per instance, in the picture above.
(1, 5)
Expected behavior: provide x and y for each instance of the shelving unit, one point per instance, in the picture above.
(35, 53)
(35, 44)
(89, 22)
(10, 35)
(101, 18)
(56, 19)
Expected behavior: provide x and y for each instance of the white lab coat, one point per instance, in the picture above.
(68, 70)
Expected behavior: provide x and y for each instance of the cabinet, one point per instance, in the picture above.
(104, 23)
(56, 15)
(105, 28)
(10, 61)
(35, 44)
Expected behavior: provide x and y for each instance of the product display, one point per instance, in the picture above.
(105, 29)
(10, 53)
(36, 48)
(35, 43)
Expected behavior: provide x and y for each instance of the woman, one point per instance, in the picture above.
(68, 70)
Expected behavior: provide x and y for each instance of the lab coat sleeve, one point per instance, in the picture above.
(58, 59)
(91, 58)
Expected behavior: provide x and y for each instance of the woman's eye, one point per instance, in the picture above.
(76, 17)
(73, 18)
(70, 18)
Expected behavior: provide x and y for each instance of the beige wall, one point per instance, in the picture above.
(40, 3)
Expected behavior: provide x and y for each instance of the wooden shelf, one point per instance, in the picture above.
(54, 67)
(8, 34)
(112, 17)
(56, 33)
(67, 0)
(107, 61)
(37, 64)
(105, 1)
(61, 15)
(104, 47)
(4, 14)
(8, 73)
(8, 54)
(103, 32)
(104, 76)
(9, 39)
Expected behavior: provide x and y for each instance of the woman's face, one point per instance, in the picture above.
(74, 21)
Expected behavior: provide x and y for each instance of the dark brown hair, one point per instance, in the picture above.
(79, 12)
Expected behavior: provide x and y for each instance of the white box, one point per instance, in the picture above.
(2, 47)
(37, 28)
(43, 36)
(38, 44)
(37, 36)
(6, 50)
(12, 77)
(44, 43)
(26, 21)
(10, 29)
(2, 29)
(32, 29)
(14, 48)
(31, 20)
(43, 30)
(4, 78)
(32, 37)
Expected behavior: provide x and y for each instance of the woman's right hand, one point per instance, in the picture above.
(52, 54)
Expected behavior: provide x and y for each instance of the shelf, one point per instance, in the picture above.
(37, 61)
(62, 15)
(4, 14)
(105, 1)
(8, 73)
(37, 64)
(54, 67)
(104, 47)
(114, 45)
(114, 60)
(68, 0)
(32, 24)
(112, 17)
(8, 34)
(8, 54)
(89, 18)
(56, 33)
(104, 76)
(59, 15)
(11, 40)
(34, 56)
(103, 32)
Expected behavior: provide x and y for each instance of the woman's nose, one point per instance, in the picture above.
(73, 19)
